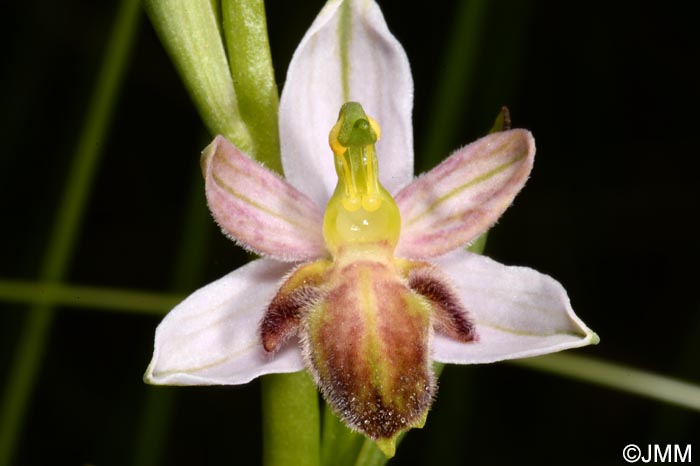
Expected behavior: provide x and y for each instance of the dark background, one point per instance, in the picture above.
(609, 90)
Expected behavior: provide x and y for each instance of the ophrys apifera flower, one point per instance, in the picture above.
(366, 294)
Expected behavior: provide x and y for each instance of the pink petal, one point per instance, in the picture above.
(518, 312)
(378, 76)
(258, 209)
(212, 337)
(463, 196)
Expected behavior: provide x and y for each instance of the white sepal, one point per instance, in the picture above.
(348, 54)
(518, 312)
(212, 337)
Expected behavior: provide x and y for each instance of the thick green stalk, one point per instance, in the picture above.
(289, 401)
(339, 445)
(189, 30)
(34, 336)
(290, 420)
(250, 62)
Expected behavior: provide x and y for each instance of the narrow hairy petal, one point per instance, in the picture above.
(347, 54)
(284, 315)
(212, 336)
(518, 312)
(258, 209)
(300, 291)
(450, 317)
(463, 196)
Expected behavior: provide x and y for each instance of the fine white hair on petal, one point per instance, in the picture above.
(348, 39)
(518, 312)
(212, 338)
(258, 209)
(463, 196)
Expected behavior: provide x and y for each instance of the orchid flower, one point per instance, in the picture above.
(366, 294)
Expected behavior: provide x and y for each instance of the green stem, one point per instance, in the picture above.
(289, 401)
(33, 339)
(189, 30)
(152, 431)
(339, 445)
(370, 455)
(250, 62)
(290, 420)
(617, 376)
(47, 294)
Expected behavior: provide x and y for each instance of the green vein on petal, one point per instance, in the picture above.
(479, 179)
(469, 184)
(344, 37)
(258, 206)
(216, 362)
(524, 333)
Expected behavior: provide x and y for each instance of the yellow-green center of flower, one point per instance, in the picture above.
(360, 212)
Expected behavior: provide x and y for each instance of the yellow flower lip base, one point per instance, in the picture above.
(366, 317)
(361, 211)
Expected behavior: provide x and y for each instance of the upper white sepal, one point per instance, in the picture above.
(347, 38)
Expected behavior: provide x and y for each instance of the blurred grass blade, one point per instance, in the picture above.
(152, 432)
(33, 338)
(48, 294)
(617, 376)
(455, 82)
